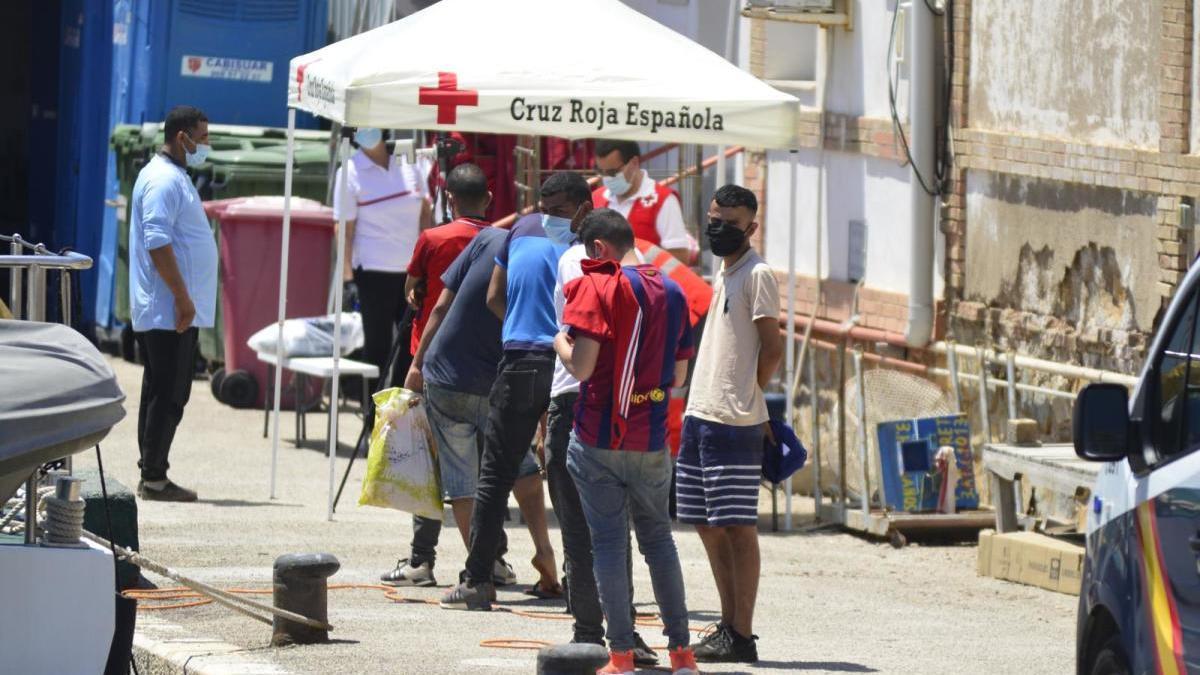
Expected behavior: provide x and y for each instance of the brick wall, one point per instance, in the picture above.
(1168, 172)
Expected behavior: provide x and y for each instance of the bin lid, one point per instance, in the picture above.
(308, 211)
(272, 155)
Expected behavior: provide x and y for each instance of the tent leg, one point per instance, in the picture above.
(343, 156)
(790, 354)
(283, 283)
(350, 465)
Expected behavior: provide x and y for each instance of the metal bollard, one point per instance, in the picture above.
(571, 659)
(301, 587)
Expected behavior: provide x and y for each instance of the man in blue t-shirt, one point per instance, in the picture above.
(521, 292)
(454, 366)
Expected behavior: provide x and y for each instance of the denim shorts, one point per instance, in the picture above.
(459, 421)
(718, 473)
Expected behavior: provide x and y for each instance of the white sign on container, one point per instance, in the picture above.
(225, 68)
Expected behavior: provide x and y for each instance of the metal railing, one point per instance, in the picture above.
(983, 358)
(28, 264)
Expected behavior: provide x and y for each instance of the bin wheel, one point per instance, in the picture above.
(215, 381)
(239, 389)
(897, 540)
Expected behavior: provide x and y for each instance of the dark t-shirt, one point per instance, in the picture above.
(466, 350)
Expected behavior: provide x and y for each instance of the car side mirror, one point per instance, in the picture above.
(1102, 429)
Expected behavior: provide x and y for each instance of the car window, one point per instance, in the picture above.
(1177, 423)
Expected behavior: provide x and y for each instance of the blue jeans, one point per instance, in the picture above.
(613, 484)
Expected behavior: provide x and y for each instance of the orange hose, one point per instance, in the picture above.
(194, 599)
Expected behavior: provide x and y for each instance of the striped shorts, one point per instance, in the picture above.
(717, 474)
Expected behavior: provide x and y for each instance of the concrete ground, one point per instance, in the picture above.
(829, 602)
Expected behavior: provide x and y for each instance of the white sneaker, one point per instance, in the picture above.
(503, 574)
(405, 574)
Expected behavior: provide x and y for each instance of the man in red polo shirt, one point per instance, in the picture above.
(653, 210)
(437, 247)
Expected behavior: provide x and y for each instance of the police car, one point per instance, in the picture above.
(1139, 606)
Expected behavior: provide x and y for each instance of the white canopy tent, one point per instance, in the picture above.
(532, 67)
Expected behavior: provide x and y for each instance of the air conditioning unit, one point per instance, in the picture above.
(792, 5)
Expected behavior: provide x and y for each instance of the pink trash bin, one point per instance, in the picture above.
(250, 236)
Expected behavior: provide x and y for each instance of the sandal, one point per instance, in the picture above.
(542, 593)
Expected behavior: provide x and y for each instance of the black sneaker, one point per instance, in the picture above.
(716, 645)
(642, 654)
(472, 598)
(744, 648)
(167, 493)
(711, 633)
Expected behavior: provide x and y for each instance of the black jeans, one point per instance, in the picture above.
(382, 304)
(170, 360)
(583, 598)
(519, 396)
(427, 531)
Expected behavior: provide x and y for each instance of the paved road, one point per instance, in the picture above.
(829, 603)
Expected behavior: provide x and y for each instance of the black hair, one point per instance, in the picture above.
(606, 225)
(572, 184)
(183, 118)
(468, 184)
(730, 196)
(628, 149)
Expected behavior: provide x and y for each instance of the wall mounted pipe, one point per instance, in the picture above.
(922, 103)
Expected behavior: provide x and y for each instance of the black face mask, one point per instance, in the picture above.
(724, 238)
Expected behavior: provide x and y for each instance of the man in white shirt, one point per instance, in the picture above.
(652, 210)
(385, 209)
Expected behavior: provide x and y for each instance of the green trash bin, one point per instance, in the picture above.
(244, 162)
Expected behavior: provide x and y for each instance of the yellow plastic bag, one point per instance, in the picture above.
(402, 467)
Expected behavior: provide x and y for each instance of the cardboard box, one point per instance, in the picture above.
(1033, 559)
(984, 561)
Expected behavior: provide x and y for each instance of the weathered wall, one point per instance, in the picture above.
(1086, 71)
(1085, 254)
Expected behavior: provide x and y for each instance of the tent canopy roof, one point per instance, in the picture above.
(568, 68)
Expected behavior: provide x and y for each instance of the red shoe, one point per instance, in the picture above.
(619, 663)
(683, 662)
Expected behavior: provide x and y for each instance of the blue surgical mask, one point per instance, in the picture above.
(368, 137)
(199, 156)
(558, 229)
(617, 185)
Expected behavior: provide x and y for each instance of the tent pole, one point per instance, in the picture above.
(790, 354)
(343, 158)
(283, 283)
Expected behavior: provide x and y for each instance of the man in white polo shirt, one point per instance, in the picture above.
(652, 210)
(172, 291)
(720, 458)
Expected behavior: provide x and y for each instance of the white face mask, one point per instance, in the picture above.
(617, 185)
(368, 137)
(198, 156)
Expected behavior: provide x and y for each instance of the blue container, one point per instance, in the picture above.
(227, 57)
(230, 57)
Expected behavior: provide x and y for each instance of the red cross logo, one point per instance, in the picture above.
(300, 78)
(447, 97)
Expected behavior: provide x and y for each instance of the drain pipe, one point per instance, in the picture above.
(922, 102)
